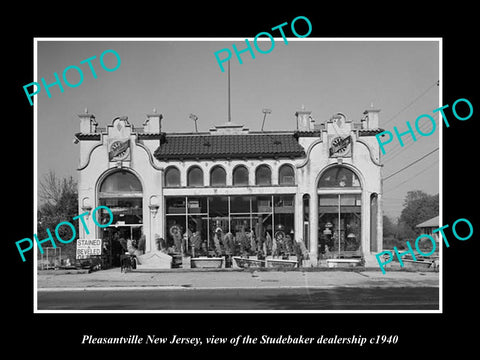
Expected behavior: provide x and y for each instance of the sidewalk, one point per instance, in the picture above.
(195, 279)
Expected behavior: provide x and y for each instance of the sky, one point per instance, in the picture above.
(178, 78)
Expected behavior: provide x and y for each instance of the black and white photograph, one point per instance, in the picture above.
(277, 187)
(241, 189)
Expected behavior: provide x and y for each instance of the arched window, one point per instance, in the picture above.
(339, 177)
(121, 192)
(286, 175)
(121, 182)
(195, 176)
(240, 176)
(218, 176)
(172, 176)
(263, 175)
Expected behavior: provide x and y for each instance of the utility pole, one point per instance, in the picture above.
(228, 85)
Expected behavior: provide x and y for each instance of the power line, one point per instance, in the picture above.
(415, 175)
(405, 167)
(412, 102)
(397, 148)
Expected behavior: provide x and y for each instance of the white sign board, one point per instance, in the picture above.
(88, 247)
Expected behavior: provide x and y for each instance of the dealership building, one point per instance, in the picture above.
(313, 192)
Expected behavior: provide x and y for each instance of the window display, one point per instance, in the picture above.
(231, 225)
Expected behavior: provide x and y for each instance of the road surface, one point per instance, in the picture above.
(302, 298)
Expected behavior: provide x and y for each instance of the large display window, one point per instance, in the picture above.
(339, 223)
(339, 213)
(231, 225)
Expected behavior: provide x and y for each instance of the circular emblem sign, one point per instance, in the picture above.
(340, 146)
(119, 150)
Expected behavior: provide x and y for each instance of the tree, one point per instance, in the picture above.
(59, 203)
(418, 207)
(389, 227)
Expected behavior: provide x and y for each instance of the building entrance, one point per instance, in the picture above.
(339, 224)
(121, 192)
(117, 240)
(339, 213)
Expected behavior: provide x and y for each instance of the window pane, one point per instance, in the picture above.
(263, 175)
(284, 204)
(124, 210)
(350, 200)
(240, 176)
(197, 226)
(197, 205)
(218, 206)
(240, 204)
(306, 220)
(262, 204)
(195, 176)
(373, 222)
(306, 207)
(339, 227)
(121, 181)
(176, 228)
(286, 175)
(172, 177)
(339, 176)
(176, 205)
(218, 176)
(284, 225)
(328, 200)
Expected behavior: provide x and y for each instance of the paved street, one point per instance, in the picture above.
(239, 290)
(346, 298)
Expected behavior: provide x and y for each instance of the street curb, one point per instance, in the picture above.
(208, 288)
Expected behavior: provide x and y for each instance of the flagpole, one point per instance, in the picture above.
(229, 110)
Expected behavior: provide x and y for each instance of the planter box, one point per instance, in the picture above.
(154, 260)
(306, 263)
(186, 262)
(207, 263)
(281, 263)
(331, 263)
(240, 262)
(417, 265)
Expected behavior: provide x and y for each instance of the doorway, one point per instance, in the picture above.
(115, 240)
(339, 224)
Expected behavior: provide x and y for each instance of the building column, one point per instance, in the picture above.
(314, 228)
(366, 221)
(298, 218)
(369, 256)
(379, 223)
